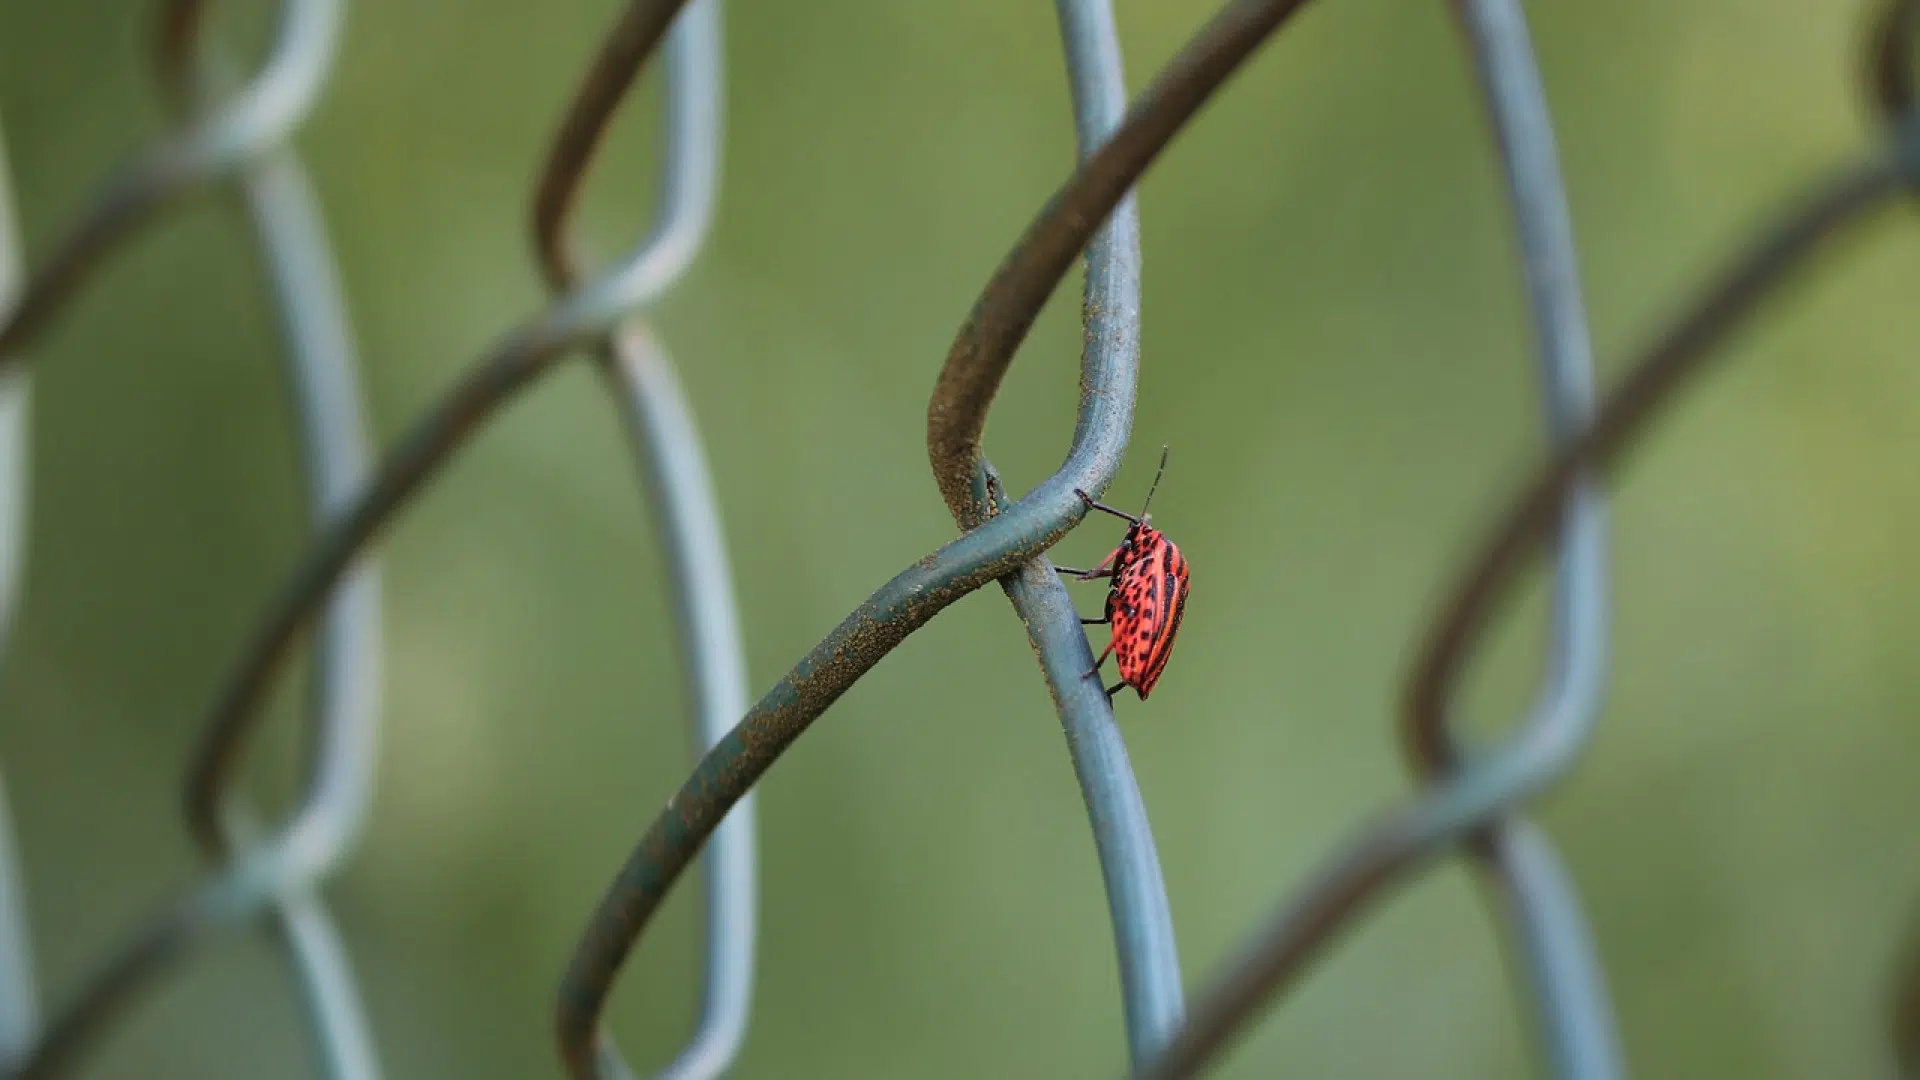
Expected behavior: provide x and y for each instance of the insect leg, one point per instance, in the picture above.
(1115, 688)
(1104, 620)
(1105, 569)
(1101, 662)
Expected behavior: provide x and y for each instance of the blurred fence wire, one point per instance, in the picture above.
(1471, 799)
(19, 1000)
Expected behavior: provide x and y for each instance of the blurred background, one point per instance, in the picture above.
(1336, 349)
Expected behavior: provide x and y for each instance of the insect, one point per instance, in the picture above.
(1146, 600)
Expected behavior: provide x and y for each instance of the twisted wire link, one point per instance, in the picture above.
(19, 998)
(1149, 959)
(1000, 319)
(253, 121)
(662, 427)
(583, 316)
(667, 444)
(283, 871)
(1476, 798)
(1567, 990)
(322, 378)
(993, 548)
(1411, 837)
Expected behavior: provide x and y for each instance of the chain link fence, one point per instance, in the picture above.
(233, 135)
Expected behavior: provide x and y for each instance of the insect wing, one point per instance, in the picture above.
(1173, 583)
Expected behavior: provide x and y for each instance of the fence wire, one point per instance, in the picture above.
(1471, 799)
(19, 1000)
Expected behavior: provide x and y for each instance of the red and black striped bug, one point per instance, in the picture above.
(1146, 600)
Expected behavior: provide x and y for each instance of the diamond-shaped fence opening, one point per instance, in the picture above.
(232, 132)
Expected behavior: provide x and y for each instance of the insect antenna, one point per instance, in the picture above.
(1156, 480)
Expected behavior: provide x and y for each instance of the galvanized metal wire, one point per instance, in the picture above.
(283, 871)
(713, 653)
(248, 124)
(1573, 1018)
(1002, 538)
(661, 424)
(1149, 958)
(1409, 839)
(345, 700)
(19, 996)
(1471, 799)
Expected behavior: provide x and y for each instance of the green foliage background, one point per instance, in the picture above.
(1335, 347)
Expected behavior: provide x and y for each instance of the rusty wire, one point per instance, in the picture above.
(995, 546)
(281, 871)
(1471, 800)
(246, 125)
(1152, 997)
(322, 832)
(322, 372)
(519, 359)
(1408, 839)
(660, 424)
(1573, 1019)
